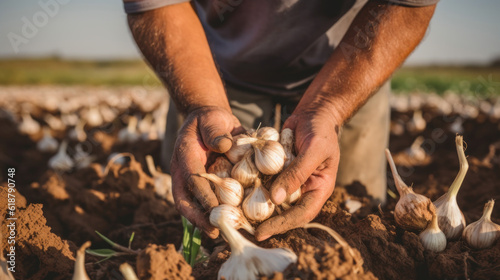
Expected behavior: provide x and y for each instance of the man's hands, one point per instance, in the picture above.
(207, 129)
(314, 168)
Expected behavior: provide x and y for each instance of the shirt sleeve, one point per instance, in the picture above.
(412, 3)
(139, 6)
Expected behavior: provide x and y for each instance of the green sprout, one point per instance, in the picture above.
(118, 250)
(191, 244)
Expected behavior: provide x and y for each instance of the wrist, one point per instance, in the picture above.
(322, 104)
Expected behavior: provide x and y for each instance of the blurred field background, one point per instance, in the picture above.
(481, 81)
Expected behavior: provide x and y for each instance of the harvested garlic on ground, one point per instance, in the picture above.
(269, 156)
(28, 125)
(241, 145)
(163, 182)
(258, 206)
(248, 261)
(61, 161)
(228, 190)
(268, 133)
(287, 143)
(451, 219)
(47, 143)
(129, 134)
(233, 215)
(483, 233)
(82, 158)
(80, 273)
(77, 133)
(432, 237)
(221, 167)
(413, 211)
(245, 171)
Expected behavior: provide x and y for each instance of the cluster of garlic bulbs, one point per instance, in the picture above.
(238, 177)
(442, 220)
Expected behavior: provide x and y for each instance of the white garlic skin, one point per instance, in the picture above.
(228, 190)
(483, 233)
(451, 220)
(232, 215)
(238, 151)
(268, 133)
(432, 238)
(294, 196)
(47, 143)
(286, 141)
(61, 161)
(248, 261)
(258, 206)
(245, 171)
(269, 156)
(221, 167)
(79, 272)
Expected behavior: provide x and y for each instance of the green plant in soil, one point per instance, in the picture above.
(118, 250)
(191, 244)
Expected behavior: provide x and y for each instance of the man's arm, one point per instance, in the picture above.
(172, 40)
(377, 42)
(174, 43)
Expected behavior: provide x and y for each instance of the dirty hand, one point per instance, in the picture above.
(314, 168)
(206, 129)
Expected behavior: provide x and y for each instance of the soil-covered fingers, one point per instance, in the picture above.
(215, 126)
(297, 173)
(308, 207)
(189, 209)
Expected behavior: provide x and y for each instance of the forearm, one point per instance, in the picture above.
(173, 42)
(378, 41)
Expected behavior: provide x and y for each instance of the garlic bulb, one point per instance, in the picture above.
(245, 171)
(238, 150)
(78, 132)
(145, 124)
(80, 273)
(248, 261)
(228, 190)
(28, 125)
(93, 117)
(221, 167)
(416, 151)
(417, 122)
(413, 211)
(47, 143)
(163, 182)
(482, 233)
(269, 156)
(268, 133)
(54, 122)
(233, 215)
(287, 143)
(258, 206)
(432, 237)
(108, 114)
(129, 133)
(82, 158)
(451, 219)
(61, 161)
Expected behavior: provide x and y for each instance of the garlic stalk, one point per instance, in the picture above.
(258, 206)
(413, 211)
(483, 233)
(221, 167)
(432, 237)
(228, 190)
(417, 122)
(245, 171)
(28, 125)
(268, 133)
(163, 182)
(80, 273)
(233, 215)
(129, 133)
(416, 151)
(287, 143)
(78, 132)
(269, 156)
(239, 147)
(248, 261)
(128, 272)
(451, 219)
(47, 144)
(145, 124)
(61, 161)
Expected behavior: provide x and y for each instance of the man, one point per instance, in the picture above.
(226, 63)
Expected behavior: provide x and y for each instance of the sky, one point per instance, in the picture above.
(461, 31)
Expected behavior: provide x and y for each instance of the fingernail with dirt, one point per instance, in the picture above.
(279, 196)
(223, 143)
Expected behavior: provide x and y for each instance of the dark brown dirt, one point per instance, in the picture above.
(62, 211)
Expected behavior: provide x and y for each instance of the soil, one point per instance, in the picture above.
(58, 212)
